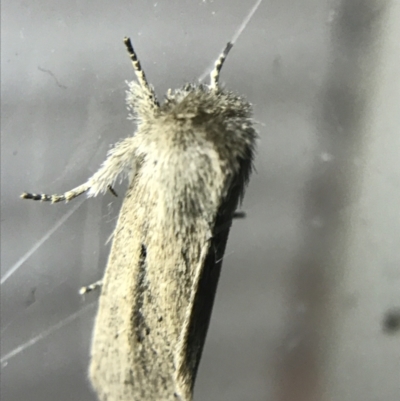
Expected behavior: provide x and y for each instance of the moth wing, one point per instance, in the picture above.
(147, 341)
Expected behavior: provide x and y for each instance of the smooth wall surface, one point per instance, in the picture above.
(300, 312)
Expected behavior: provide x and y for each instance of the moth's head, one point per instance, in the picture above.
(197, 104)
(141, 98)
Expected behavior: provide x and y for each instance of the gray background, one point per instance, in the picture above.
(311, 272)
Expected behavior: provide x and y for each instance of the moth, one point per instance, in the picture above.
(187, 164)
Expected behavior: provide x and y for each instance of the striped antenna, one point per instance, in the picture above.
(214, 74)
(139, 72)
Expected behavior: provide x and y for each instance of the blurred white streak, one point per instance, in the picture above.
(236, 35)
(245, 22)
(44, 334)
(39, 243)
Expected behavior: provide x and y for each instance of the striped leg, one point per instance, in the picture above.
(120, 159)
(91, 287)
(67, 196)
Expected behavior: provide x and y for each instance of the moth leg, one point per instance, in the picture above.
(120, 159)
(227, 224)
(112, 190)
(239, 215)
(91, 287)
(67, 196)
